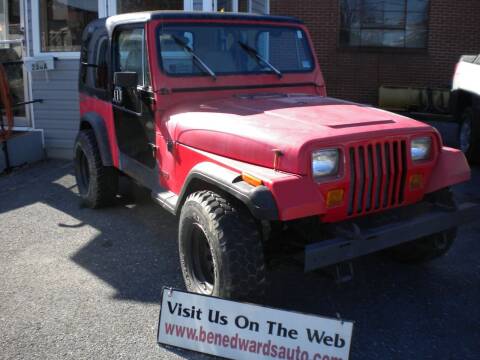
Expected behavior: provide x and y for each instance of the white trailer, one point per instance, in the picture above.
(465, 103)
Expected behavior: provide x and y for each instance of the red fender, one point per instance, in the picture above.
(451, 168)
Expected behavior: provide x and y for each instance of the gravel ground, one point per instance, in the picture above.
(79, 283)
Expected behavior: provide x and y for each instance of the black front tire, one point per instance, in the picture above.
(430, 247)
(97, 184)
(221, 252)
(469, 135)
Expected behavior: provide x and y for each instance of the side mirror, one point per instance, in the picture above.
(125, 79)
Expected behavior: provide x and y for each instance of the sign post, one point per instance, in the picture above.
(245, 331)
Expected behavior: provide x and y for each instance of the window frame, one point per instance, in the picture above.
(212, 5)
(145, 60)
(103, 40)
(36, 33)
(88, 70)
(384, 49)
(199, 75)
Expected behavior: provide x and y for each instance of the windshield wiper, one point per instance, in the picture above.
(255, 54)
(199, 61)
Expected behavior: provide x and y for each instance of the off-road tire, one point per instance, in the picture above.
(97, 184)
(235, 247)
(430, 247)
(470, 121)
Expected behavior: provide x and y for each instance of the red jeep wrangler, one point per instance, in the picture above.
(225, 119)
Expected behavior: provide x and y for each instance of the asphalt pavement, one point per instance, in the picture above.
(84, 284)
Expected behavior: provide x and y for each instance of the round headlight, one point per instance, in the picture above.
(420, 148)
(325, 163)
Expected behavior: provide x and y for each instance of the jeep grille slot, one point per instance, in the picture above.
(377, 176)
(353, 184)
(370, 177)
(361, 185)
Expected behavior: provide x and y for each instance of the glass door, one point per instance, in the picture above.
(11, 54)
(247, 6)
(126, 6)
(252, 6)
(225, 5)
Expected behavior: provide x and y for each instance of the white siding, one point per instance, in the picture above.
(58, 115)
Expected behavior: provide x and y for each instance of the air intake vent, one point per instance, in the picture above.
(377, 176)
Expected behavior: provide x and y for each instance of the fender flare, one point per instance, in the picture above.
(259, 200)
(452, 168)
(97, 123)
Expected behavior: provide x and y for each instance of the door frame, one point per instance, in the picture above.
(139, 170)
(23, 122)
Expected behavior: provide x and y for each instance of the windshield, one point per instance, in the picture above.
(221, 49)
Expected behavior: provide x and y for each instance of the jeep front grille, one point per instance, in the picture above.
(377, 176)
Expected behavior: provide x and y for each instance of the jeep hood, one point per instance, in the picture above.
(250, 127)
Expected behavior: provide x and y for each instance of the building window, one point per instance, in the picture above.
(62, 23)
(384, 23)
(126, 6)
(254, 6)
(246, 6)
(197, 5)
(10, 24)
(224, 5)
(243, 6)
(259, 6)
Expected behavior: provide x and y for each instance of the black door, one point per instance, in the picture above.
(133, 117)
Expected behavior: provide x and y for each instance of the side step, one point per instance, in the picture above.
(166, 199)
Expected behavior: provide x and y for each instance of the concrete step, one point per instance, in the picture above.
(24, 147)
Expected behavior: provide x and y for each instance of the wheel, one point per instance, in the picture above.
(97, 184)
(220, 248)
(469, 136)
(430, 247)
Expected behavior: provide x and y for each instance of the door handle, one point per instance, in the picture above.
(154, 149)
(170, 145)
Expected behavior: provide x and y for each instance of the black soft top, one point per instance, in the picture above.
(113, 21)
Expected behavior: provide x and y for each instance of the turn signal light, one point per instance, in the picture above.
(416, 181)
(252, 180)
(335, 197)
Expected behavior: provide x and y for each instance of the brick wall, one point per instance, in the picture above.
(454, 30)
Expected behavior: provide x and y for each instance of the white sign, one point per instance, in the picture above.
(39, 64)
(244, 331)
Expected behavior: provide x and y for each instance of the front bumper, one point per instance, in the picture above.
(354, 239)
